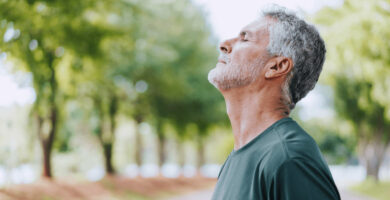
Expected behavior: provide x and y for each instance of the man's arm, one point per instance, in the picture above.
(297, 179)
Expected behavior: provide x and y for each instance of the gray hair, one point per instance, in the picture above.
(292, 37)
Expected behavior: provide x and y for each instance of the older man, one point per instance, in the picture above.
(262, 73)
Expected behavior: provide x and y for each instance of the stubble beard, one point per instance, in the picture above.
(227, 76)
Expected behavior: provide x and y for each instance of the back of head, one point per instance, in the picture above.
(294, 38)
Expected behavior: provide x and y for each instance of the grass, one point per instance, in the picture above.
(379, 191)
(133, 196)
(48, 198)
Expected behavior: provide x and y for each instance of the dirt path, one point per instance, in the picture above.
(348, 195)
(196, 188)
(203, 194)
(111, 187)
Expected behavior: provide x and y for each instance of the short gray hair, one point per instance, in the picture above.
(292, 37)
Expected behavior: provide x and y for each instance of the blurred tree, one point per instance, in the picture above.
(174, 49)
(46, 38)
(34, 33)
(147, 60)
(358, 68)
(189, 97)
(94, 84)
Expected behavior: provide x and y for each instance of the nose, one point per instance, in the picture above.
(225, 46)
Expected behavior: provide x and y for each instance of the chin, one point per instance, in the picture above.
(214, 79)
(212, 76)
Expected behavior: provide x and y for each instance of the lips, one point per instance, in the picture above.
(223, 58)
(221, 61)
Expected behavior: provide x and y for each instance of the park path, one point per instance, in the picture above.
(206, 195)
(349, 195)
(197, 195)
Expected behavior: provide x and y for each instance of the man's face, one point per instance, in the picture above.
(242, 57)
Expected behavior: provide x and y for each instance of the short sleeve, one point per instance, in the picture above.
(298, 179)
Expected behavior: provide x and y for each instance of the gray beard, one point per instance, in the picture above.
(228, 77)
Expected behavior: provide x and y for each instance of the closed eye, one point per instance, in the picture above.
(243, 36)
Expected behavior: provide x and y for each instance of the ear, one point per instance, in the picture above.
(278, 66)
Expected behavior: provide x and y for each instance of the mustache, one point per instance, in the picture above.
(224, 57)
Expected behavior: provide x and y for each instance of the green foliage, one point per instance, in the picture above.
(222, 147)
(94, 60)
(174, 50)
(358, 62)
(358, 68)
(379, 191)
(335, 148)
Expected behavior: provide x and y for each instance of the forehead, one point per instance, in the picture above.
(259, 26)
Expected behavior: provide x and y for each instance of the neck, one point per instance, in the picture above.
(251, 111)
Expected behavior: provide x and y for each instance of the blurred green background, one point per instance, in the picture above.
(118, 88)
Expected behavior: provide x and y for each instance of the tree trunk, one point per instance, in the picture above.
(47, 143)
(107, 147)
(200, 152)
(372, 168)
(46, 173)
(138, 145)
(161, 150)
(181, 154)
(372, 152)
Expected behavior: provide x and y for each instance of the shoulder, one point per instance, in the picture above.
(296, 142)
(291, 144)
(301, 179)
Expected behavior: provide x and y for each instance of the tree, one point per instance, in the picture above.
(147, 60)
(174, 49)
(188, 98)
(38, 35)
(357, 68)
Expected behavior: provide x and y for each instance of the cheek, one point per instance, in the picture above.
(245, 54)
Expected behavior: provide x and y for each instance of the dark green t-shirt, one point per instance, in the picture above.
(283, 162)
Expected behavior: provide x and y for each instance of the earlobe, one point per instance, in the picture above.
(268, 74)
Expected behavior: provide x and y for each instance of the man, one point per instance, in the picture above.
(262, 73)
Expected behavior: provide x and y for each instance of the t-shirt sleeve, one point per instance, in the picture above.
(297, 179)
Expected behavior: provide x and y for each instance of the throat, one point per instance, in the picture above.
(249, 117)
